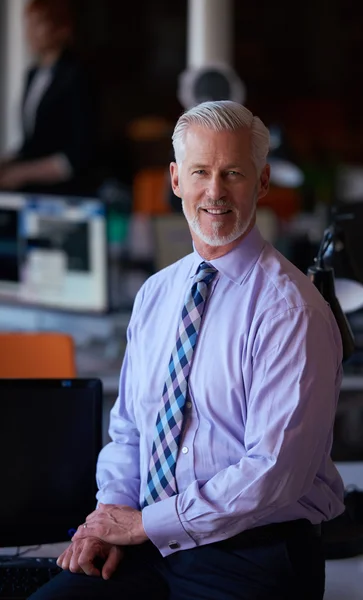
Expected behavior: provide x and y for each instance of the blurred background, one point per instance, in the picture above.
(86, 117)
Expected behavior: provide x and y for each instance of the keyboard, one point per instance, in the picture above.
(21, 577)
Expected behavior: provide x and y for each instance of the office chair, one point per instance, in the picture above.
(37, 355)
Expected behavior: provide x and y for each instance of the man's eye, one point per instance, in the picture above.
(233, 173)
(199, 172)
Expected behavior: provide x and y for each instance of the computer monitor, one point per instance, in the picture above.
(50, 437)
(53, 252)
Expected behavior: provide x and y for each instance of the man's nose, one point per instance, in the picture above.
(216, 188)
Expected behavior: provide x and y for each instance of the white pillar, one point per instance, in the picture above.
(14, 60)
(210, 32)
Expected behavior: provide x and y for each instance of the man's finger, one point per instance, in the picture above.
(65, 558)
(82, 531)
(83, 534)
(61, 557)
(114, 558)
(74, 565)
(86, 558)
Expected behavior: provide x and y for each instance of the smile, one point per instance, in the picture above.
(216, 211)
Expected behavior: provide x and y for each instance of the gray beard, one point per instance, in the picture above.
(215, 239)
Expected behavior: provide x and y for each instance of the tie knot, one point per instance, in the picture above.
(205, 273)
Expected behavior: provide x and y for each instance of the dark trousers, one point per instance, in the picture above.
(274, 564)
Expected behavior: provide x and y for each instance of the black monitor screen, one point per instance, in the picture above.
(50, 437)
(9, 250)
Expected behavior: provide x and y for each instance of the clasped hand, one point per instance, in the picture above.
(107, 529)
(121, 525)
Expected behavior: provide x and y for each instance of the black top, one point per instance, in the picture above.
(66, 119)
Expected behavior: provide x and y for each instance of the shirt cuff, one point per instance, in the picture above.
(163, 527)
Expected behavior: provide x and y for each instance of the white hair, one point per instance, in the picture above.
(220, 116)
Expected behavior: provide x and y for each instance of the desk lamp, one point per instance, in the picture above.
(322, 276)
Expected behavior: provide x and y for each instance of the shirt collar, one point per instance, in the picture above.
(238, 262)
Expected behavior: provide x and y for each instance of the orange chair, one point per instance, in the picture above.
(37, 355)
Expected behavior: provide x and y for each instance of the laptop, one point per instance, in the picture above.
(50, 437)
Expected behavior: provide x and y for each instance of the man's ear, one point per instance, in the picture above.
(264, 182)
(174, 177)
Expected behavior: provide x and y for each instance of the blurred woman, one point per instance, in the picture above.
(58, 109)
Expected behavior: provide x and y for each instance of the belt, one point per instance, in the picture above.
(274, 532)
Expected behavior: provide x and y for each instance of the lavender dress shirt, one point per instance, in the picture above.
(263, 391)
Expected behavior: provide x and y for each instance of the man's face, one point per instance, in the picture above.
(218, 184)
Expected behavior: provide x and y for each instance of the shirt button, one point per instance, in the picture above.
(173, 545)
(185, 450)
(189, 404)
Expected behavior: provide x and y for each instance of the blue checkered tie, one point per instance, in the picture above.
(161, 481)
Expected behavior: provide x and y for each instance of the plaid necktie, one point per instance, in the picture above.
(161, 481)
